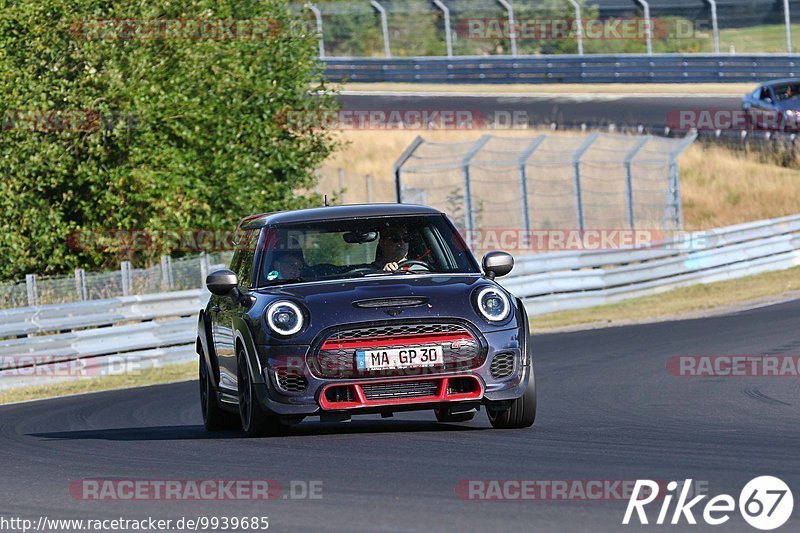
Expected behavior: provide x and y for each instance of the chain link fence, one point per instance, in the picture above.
(408, 28)
(170, 275)
(548, 182)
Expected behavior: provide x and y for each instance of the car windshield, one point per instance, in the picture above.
(339, 249)
(787, 92)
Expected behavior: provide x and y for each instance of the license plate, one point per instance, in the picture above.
(389, 359)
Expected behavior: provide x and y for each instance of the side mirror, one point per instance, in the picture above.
(222, 282)
(497, 264)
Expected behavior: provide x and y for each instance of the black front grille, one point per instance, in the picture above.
(393, 330)
(403, 389)
(502, 365)
(291, 382)
(339, 363)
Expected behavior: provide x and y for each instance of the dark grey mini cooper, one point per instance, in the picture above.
(363, 309)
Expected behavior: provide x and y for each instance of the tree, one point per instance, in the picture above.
(170, 118)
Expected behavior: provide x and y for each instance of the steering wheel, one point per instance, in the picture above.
(412, 262)
(364, 270)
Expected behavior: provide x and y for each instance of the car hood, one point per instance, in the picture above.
(332, 304)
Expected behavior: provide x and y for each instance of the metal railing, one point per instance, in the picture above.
(501, 27)
(169, 275)
(632, 68)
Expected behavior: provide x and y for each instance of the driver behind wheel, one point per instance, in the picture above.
(392, 248)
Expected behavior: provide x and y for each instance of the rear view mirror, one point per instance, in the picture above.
(222, 282)
(497, 264)
(360, 237)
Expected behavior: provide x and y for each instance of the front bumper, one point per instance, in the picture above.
(414, 389)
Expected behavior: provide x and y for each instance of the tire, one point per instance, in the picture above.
(520, 414)
(214, 417)
(444, 416)
(255, 420)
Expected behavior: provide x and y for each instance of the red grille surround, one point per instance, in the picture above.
(401, 392)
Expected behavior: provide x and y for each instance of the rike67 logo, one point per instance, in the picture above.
(765, 503)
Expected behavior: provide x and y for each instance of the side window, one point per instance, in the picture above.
(765, 94)
(243, 257)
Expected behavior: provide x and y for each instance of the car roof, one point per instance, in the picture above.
(783, 81)
(335, 213)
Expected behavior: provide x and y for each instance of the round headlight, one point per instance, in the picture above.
(493, 304)
(284, 318)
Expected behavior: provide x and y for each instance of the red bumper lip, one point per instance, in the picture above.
(441, 395)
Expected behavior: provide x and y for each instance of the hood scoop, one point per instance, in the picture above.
(377, 303)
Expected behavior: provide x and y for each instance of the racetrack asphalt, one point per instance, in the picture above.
(568, 110)
(608, 410)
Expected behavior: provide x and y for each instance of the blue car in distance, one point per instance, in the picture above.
(362, 309)
(774, 106)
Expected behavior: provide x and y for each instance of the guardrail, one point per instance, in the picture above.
(559, 281)
(157, 329)
(97, 337)
(627, 68)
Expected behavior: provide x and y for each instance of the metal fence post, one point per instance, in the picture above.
(523, 178)
(579, 24)
(387, 51)
(714, 24)
(318, 16)
(398, 166)
(80, 285)
(32, 289)
(629, 177)
(788, 18)
(576, 162)
(127, 278)
(675, 182)
(448, 33)
(203, 268)
(166, 271)
(648, 28)
(512, 25)
(469, 219)
(342, 186)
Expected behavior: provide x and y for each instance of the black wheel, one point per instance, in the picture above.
(520, 413)
(214, 417)
(256, 422)
(445, 416)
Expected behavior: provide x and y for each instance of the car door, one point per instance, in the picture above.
(762, 109)
(230, 308)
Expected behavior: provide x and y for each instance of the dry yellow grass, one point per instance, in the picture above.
(694, 300)
(720, 187)
(165, 374)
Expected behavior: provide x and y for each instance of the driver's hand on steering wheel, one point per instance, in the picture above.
(391, 267)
